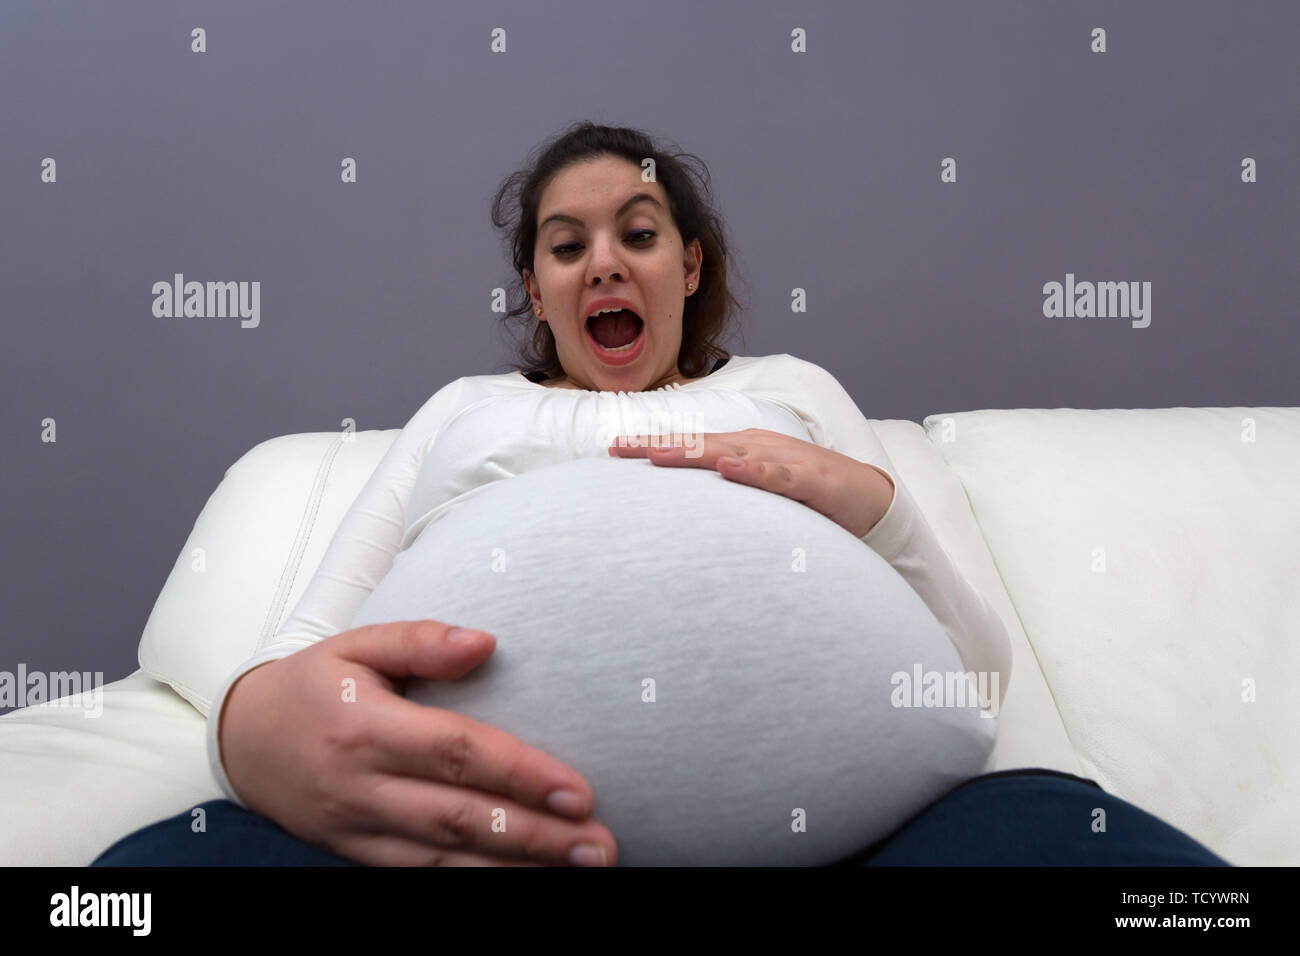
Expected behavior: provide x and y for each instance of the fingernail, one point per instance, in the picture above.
(584, 854)
(569, 802)
(463, 635)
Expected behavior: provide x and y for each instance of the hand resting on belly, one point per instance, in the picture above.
(713, 658)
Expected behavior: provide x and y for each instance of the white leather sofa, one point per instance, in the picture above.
(1146, 562)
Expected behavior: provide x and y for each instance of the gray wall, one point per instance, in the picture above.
(923, 296)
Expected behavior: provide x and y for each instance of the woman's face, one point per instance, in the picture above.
(594, 243)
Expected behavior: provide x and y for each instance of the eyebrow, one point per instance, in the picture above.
(572, 220)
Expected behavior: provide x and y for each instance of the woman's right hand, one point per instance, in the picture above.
(382, 780)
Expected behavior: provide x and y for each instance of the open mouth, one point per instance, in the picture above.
(617, 331)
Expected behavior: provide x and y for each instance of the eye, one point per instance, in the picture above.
(640, 236)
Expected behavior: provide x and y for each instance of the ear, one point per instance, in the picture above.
(691, 264)
(534, 293)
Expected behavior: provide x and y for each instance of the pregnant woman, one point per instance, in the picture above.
(637, 601)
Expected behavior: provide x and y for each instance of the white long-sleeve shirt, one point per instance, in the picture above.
(403, 496)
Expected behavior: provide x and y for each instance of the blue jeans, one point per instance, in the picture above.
(1011, 818)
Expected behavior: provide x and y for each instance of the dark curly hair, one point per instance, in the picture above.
(706, 315)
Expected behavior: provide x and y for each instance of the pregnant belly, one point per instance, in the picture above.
(714, 659)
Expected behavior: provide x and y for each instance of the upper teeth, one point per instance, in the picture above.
(616, 308)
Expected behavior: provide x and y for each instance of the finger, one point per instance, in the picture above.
(640, 446)
(422, 648)
(386, 850)
(461, 820)
(702, 451)
(790, 479)
(712, 456)
(413, 740)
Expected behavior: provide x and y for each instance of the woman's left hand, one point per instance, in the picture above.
(851, 493)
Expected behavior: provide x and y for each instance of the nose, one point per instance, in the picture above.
(606, 261)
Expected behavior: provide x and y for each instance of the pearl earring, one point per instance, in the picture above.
(690, 286)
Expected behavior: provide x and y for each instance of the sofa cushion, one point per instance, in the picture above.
(253, 549)
(1151, 556)
(73, 781)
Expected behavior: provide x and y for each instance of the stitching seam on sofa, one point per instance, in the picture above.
(294, 561)
(187, 693)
